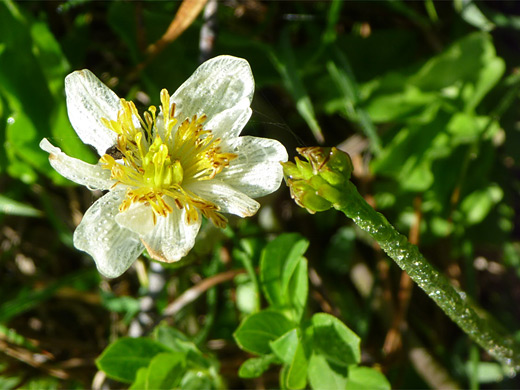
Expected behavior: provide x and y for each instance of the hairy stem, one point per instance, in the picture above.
(454, 303)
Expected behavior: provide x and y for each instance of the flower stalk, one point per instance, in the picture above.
(323, 181)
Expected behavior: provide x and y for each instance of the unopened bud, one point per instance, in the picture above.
(318, 183)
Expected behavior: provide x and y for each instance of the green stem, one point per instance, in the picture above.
(407, 256)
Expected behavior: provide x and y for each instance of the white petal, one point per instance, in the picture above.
(229, 123)
(89, 100)
(138, 218)
(226, 197)
(172, 237)
(113, 247)
(257, 170)
(217, 85)
(92, 176)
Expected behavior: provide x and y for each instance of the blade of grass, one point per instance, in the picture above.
(285, 65)
(13, 207)
(344, 78)
(27, 298)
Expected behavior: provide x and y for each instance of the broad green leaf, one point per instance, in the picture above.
(477, 205)
(296, 374)
(489, 76)
(140, 379)
(401, 105)
(297, 287)
(165, 371)
(30, 100)
(334, 340)
(285, 249)
(285, 346)
(121, 359)
(257, 330)
(254, 367)
(171, 337)
(406, 158)
(177, 341)
(461, 75)
(366, 378)
(462, 61)
(323, 374)
(196, 380)
(12, 207)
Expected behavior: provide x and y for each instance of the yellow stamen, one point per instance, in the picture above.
(158, 156)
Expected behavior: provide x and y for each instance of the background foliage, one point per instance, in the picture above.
(424, 97)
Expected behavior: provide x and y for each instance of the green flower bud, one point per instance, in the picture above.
(320, 182)
(307, 197)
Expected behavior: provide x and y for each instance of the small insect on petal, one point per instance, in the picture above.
(114, 152)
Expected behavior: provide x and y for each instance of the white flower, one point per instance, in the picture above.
(166, 169)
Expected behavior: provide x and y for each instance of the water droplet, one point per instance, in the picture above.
(10, 120)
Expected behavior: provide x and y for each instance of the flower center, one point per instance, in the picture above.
(157, 158)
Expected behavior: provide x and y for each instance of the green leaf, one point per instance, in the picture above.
(172, 338)
(366, 378)
(121, 359)
(285, 346)
(401, 105)
(289, 349)
(165, 371)
(410, 154)
(278, 264)
(254, 367)
(257, 330)
(477, 205)
(196, 380)
(30, 101)
(334, 340)
(177, 341)
(12, 207)
(323, 374)
(140, 379)
(296, 375)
